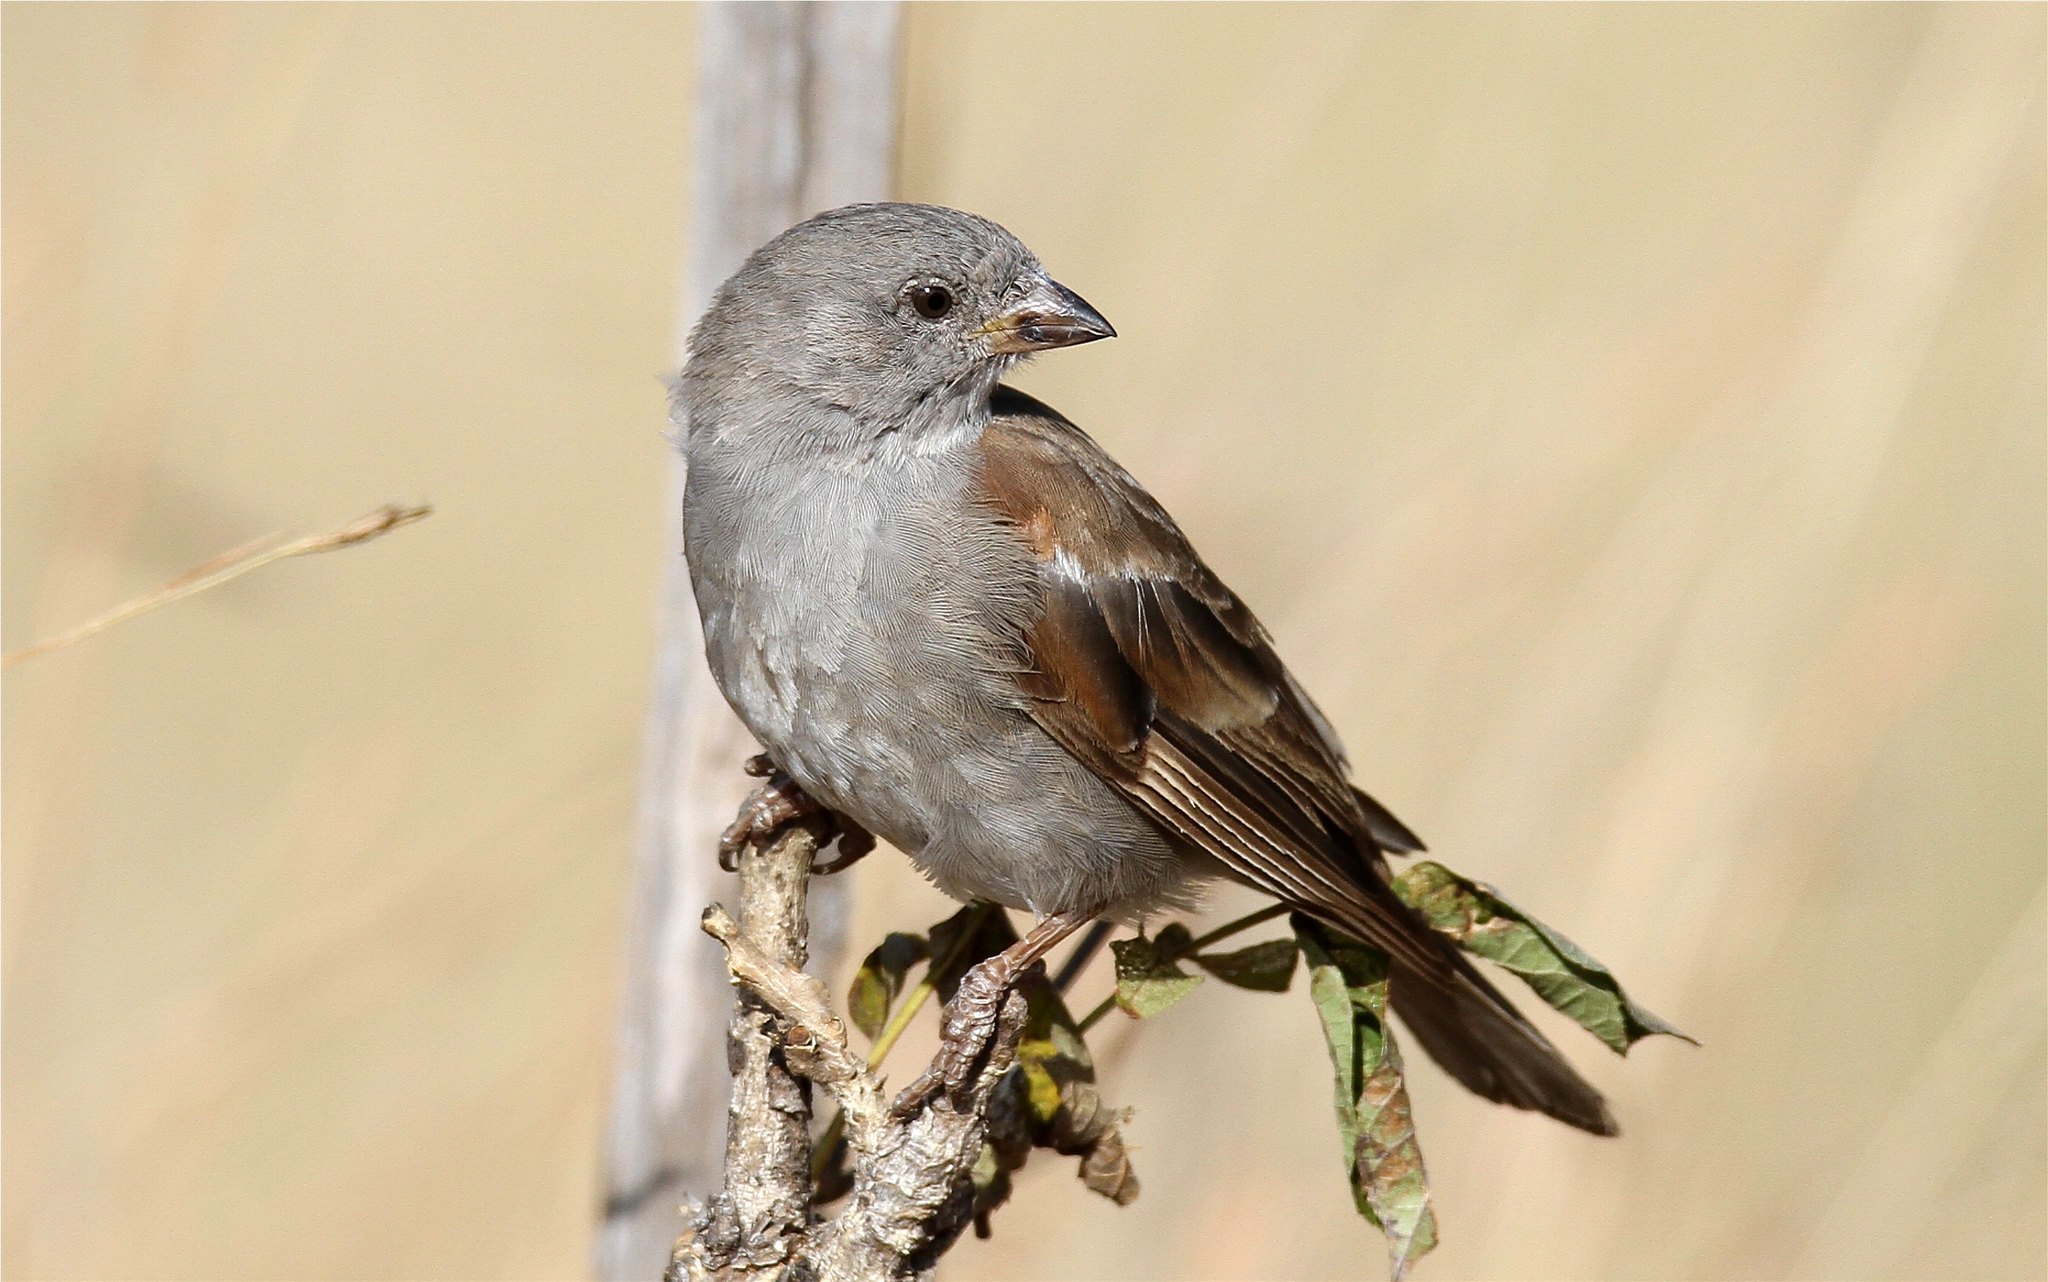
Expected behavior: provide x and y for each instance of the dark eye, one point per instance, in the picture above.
(931, 301)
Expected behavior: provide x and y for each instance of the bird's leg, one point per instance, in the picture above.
(970, 1018)
(779, 801)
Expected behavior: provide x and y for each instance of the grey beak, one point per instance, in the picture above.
(1048, 315)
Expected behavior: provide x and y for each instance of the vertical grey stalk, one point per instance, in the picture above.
(795, 113)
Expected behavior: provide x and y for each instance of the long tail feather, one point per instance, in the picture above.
(1469, 1028)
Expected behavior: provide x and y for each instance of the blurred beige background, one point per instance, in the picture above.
(1630, 421)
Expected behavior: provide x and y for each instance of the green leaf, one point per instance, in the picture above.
(879, 980)
(975, 932)
(1147, 980)
(1048, 1051)
(1265, 968)
(1348, 984)
(991, 1182)
(1483, 923)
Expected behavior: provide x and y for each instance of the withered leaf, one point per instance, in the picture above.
(1106, 1169)
(1067, 1111)
(1266, 967)
(1049, 1099)
(1348, 983)
(880, 979)
(1561, 973)
(1148, 981)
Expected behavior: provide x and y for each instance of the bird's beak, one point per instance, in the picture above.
(1048, 314)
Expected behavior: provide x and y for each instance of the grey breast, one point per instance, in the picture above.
(863, 615)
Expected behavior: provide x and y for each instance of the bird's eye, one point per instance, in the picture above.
(931, 301)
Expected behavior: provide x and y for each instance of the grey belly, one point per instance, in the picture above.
(878, 684)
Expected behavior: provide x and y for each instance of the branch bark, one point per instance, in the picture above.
(913, 1189)
(751, 1224)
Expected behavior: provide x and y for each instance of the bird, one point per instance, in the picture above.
(953, 621)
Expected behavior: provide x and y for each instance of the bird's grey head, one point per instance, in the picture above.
(870, 320)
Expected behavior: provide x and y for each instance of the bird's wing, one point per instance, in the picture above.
(1152, 672)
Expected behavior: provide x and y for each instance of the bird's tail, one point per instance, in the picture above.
(1478, 1037)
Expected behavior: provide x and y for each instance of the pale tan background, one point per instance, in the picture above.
(1630, 420)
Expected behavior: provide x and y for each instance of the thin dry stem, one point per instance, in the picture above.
(232, 564)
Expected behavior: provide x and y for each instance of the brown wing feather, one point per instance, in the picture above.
(1147, 667)
(1149, 670)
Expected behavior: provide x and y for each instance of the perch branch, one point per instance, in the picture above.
(751, 1226)
(913, 1190)
(815, 1042)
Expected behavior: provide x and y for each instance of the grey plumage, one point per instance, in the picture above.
(948, 615)
(864, 628)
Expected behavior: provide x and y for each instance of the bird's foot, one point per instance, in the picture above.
(781, 801)
(777, 803)
(975, 1020)
(966, 1035)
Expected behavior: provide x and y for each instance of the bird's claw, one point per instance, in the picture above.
(777, 803)
(781, 801)
(966, 1036)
